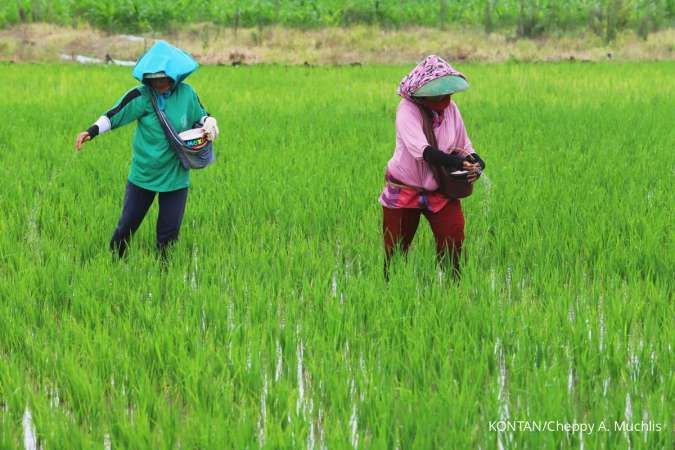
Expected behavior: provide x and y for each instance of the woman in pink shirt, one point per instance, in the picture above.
(411, 188)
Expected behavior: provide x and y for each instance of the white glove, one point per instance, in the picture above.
(211, 128)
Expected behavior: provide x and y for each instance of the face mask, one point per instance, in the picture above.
(436, 106)
(163, 86)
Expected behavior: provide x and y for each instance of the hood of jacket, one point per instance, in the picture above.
(164, 57)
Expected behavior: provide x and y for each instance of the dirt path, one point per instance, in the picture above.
(358, 45)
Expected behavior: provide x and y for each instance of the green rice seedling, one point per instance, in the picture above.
(272, 325)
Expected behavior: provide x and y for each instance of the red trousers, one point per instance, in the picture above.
(399, 226)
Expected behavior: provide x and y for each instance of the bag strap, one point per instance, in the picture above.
(175, 142)
(439, 172)
(427, 126)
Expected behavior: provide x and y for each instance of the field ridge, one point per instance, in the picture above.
(355, 45)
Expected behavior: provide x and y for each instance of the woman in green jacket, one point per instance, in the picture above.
(155, 167)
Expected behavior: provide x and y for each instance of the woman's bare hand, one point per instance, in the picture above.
(466, 165)
(81, 139)
(473, 169)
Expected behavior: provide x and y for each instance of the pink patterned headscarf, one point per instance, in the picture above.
(431, 68)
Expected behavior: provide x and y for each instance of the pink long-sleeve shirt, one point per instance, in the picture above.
(407, 164)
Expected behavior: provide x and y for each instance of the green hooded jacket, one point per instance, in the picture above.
(154, 164)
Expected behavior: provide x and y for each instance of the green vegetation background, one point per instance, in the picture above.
(528, 18)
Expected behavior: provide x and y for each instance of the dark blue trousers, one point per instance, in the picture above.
(137, 201)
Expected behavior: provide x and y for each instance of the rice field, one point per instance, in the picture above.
(272, 326)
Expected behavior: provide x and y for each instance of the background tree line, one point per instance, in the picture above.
(523, 18)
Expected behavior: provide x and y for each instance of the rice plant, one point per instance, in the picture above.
(272, 326)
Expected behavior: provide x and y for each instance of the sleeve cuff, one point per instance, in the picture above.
(479, 160)
(102, 125)
(92, 131)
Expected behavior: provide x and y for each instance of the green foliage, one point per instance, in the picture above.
(272, 325)
(653, 15)
(528, 18)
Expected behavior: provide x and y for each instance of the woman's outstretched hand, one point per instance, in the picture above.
(211, 128)
(81, 139)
